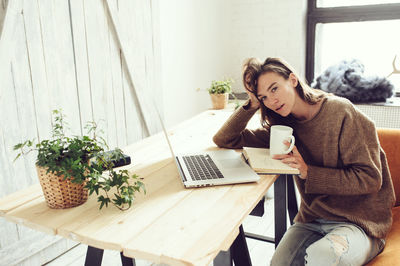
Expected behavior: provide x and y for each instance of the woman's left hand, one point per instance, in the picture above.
(295, 160)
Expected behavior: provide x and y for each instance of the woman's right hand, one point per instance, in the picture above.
(254, 102)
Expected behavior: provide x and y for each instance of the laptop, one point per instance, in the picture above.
(211, 168)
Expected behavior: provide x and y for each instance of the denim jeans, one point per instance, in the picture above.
(326, 243)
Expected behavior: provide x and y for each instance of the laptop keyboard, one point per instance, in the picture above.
(202, 167)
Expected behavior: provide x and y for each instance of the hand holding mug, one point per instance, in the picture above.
(294, 159)
(282, 148)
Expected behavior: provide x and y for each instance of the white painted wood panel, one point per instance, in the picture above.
(110, 95)
(78, 23)
(18, 113)
(134, 58)
(37, 68)
(67, 55)
(14, 254)
(96, 43)
(6, 171)
(59, 60)
(133, 118)
(7, 98)
(135, 125)
(3, 8)
(69, 94)
(9, 233)
(22, 119)
(156, 52)
(115, 70)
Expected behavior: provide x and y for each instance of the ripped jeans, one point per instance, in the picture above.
(325, 242)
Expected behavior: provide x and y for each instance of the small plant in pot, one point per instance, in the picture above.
(71, 167)
(219, 92)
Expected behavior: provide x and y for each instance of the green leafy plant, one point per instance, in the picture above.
(220, 86)
(83, 159)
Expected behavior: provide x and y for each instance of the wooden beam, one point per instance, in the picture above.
(147, 105)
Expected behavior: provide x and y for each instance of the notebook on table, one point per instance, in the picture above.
(261, 161)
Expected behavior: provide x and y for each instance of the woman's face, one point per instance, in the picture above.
(277, 93)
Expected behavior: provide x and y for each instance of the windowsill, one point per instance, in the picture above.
(239, 96)
(394, 101)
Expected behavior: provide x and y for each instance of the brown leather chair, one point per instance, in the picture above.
(390, 142)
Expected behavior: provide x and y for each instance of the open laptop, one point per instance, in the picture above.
(211, 168)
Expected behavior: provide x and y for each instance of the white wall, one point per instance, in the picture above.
(193, 42)
(206, 40)
(267, 28)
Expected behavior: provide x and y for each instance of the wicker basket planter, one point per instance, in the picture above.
(59, 193)
(82, 160)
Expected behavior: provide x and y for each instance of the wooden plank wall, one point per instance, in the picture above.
(67, 54)
(3, 7)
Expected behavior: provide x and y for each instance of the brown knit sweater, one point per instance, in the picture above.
(348, 177)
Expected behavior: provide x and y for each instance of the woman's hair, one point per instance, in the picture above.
(253, 69)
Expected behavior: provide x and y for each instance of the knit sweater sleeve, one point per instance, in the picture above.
(359, 166)
(234, 134)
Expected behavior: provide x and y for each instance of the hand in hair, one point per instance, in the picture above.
(251, 70)
(254, 102)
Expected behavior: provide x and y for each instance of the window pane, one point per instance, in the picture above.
(374, 43)
(336, 3)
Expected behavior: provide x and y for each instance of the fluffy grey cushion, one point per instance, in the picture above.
(347, 79)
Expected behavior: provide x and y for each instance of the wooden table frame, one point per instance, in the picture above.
(238, 253)
(285, 202)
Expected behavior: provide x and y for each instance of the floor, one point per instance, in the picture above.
(260, 252)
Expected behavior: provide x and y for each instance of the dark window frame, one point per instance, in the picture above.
(341, 14)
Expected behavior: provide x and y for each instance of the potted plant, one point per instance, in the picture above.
(219, 92)
(71, 167)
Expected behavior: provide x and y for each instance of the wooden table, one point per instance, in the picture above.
(170, 224)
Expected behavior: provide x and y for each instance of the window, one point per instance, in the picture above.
(336, 3)
(345, 29)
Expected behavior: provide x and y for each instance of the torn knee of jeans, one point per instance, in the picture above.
(340, 244)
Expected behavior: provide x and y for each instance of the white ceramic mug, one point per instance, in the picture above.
(278, 135)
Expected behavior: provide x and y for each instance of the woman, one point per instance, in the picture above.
(344, 182)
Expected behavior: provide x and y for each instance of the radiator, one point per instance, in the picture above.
(384, 115)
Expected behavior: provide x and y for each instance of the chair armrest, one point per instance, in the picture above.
(389, 139)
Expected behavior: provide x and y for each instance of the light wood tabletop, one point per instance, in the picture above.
(170, 224)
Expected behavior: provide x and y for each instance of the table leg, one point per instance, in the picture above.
(94, 256)
(280, 201)
(241, 255)
(291, 197)
(223, 258)
(238, 252)
(259, 209)
(284, 199)
(127, 261)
